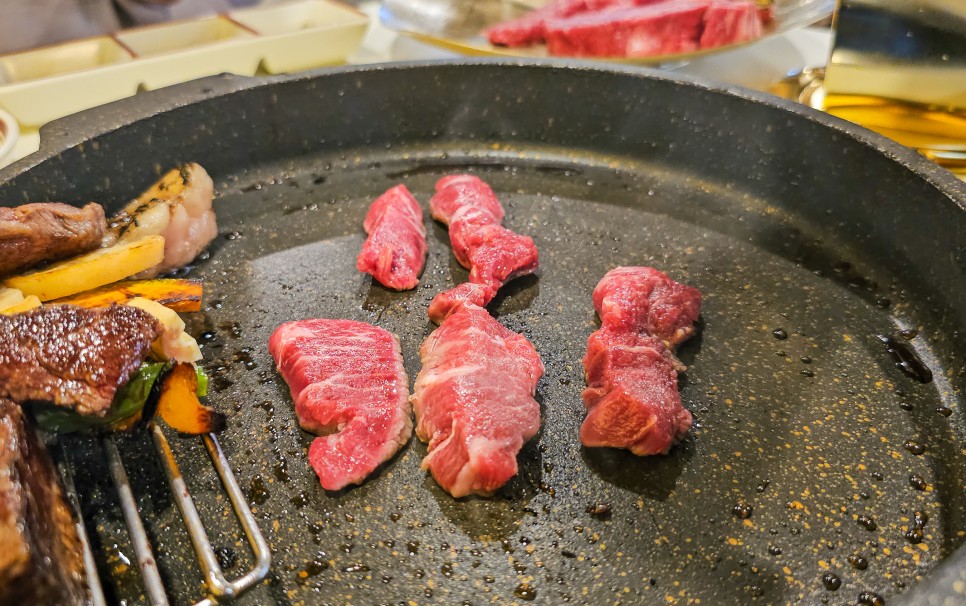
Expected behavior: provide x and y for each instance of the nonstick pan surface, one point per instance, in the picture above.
(812, 456)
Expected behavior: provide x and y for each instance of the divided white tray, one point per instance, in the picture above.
(43, 84)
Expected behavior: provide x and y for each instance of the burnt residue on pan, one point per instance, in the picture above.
(817, 470)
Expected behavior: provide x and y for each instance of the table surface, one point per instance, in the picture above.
(754, 66)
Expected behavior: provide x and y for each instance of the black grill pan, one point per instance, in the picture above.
(810, 239)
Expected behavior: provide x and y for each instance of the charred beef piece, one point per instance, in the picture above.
(41, 558)
(71, 356)
(47, 231)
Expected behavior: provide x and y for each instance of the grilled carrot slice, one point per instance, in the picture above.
(179, 295)
(179, 405)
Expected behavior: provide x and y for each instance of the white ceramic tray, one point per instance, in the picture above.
(43, 84)
(9, 133)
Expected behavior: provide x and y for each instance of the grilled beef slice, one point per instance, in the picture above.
(47, 231)
(41, 558)
(73, 357)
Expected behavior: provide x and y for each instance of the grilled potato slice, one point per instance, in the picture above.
(27, 304)
(174, 343)
(9, 297)
(91, 270)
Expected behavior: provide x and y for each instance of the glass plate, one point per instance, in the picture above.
(456, 25)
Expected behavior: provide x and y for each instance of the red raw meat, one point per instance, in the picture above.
(492, 253)
(456, 191)
(530, 28)
(395, 251)
(730, 22)
(350, 388)
(467, 293)
(645, 300)
(474, 401)
(669, 27)
(632, 395)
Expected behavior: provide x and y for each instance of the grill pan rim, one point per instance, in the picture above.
(78, 128)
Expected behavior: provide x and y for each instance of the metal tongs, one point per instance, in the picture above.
(219, 588)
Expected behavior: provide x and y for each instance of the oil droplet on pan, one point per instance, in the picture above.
(525, 592)
(742, 510)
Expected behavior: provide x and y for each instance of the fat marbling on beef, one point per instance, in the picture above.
(492, 253)
(730, 22)
(529, 29)
(668, 27)
(632, 396)
(395, 251)
(71, 356)
(47, 231)
(41, 558)
(474, 401)
(350, 388)
(633, 28)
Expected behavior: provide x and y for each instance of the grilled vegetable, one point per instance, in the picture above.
(25, 305)
(174, 343)
(179, 405)
(91, 270)
(9, 297)
(128, 402)
(179, 295)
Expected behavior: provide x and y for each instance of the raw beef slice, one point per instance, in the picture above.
(395, 251)
(492, 253)
(664, 28)
(474, 401)
(632, 394)
(350, 388)
(730, 22)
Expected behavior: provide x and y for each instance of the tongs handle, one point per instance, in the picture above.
(219, 587)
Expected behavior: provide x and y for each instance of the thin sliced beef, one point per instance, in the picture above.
(350, 388)
(467, 293)
(395, 251)
(47, 231)
(530, 29)
(492, 253)
(730, 22)
(632, 394)
(474, 401)
(669, 27)
(633, 28)
(41, 558)
(73, 357)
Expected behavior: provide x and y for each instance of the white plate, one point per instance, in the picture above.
(9, 133)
